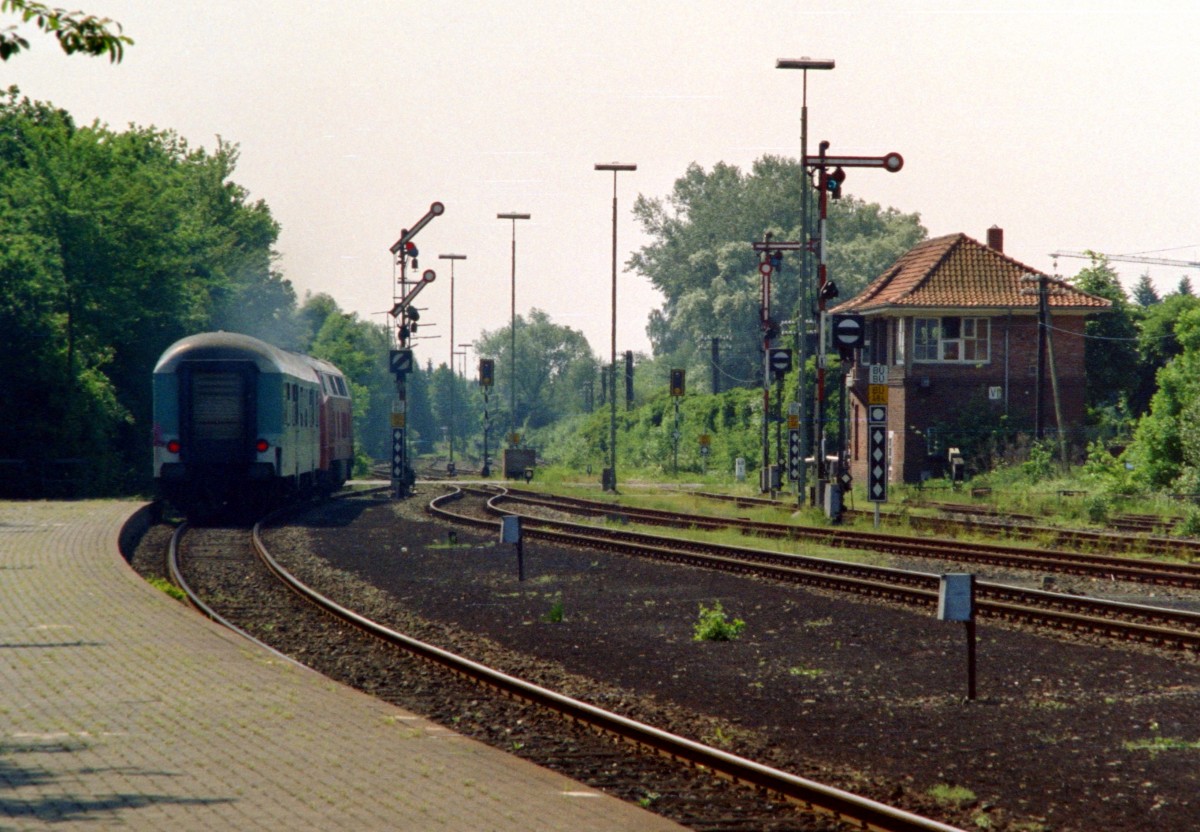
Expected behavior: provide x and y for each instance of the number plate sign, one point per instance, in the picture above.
(877, 394)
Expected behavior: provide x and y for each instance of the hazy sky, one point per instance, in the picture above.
(1071, 125)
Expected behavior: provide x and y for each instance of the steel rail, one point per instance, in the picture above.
(175, 570)
(1074, 613)
(866, 813)
(1025, 526)
(1077, 563)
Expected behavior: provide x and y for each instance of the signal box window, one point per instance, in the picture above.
(952, 339)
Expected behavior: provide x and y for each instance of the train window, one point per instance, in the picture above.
(341, 386)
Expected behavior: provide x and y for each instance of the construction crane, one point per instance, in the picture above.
(1127, 258)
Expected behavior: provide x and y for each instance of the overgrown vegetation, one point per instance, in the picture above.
(713, 625)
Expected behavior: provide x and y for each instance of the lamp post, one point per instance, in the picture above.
(512, 380)
(804, 65)
(453, 382)
(611, 483)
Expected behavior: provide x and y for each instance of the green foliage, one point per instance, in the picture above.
(555, 613)
(1040, 464)
(949, 795)
(1098, 507)
(555, 371)
(75, 31)
(714, 626)
(166, 586)
(1111, 357)
(113, 245)
(1166, 447)
(1190, 525)
(1144, 293)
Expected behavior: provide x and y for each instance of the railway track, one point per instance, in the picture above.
(1129, 622)
(206, 567)
(1131, 533)
(1135, 523)
(1085, 564)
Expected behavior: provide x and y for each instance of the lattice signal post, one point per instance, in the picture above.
(401, 358)
(830, 175)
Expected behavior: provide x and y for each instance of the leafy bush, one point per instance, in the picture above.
(714, 626)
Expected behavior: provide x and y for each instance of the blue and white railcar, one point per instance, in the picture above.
(236, 424)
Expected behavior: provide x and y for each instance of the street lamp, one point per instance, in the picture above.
(611, 478)
(512, 380)
(453, 381)
(804, 64)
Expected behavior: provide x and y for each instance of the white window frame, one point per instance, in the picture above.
(974, 337)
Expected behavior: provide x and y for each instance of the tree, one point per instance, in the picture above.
(700, 257)
(554, 365)
(75, 31)
(1144, 293)
(1158, 343)
(112, 245)
(1111, 356)
(1185, 286)
(1166, 447)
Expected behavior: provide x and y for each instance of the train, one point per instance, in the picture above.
(241, 426)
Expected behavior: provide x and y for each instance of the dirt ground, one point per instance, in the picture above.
(1066, 733)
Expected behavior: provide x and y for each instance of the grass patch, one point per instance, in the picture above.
(168, 587)
(555, 615)
(948, 795)
(1158, 744)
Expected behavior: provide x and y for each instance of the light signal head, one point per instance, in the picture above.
(833, 183)
(677, 382)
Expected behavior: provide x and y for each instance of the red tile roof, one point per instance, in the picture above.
(956, 271)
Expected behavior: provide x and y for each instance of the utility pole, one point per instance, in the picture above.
(716, 365)
(513, 436)
(453, 379)
(770, 260)
(1045, 350)
(609, 477)
(804, 65)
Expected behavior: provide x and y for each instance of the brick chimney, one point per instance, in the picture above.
(995, 238)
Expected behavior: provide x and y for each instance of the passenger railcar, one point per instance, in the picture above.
(240, 425)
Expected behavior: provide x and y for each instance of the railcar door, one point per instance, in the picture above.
(218, 413)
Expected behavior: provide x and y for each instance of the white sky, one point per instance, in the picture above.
(1071, 125)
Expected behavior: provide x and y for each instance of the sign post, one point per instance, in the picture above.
(510, 532)
(956, 602)
(877, 459)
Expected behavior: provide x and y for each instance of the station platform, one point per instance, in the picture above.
(122, 708)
